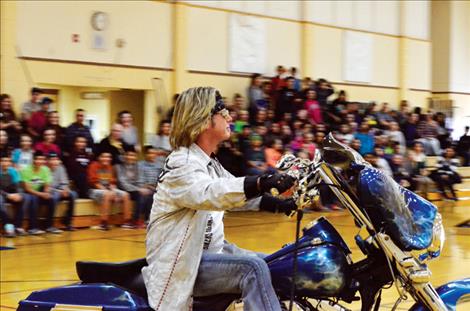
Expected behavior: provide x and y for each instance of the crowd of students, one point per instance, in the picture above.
(43, 163)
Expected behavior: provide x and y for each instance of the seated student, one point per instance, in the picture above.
(60, 188)
(10, 192)
(103, 190)
(128, 180)
(256, 160)
(37, 179)
(149, 170)
(77, 166)
(47, 145)
(273, 154)
(23, 156)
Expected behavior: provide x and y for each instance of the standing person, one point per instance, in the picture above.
(8, 120)
(103, 190)
(37, 179)
(114, 144)
(287, 99)
(427, 130)
(463, 146)
(33, 104)
(60, 188)
(23, 156)
(186, 252)
(77, 166)
(78, 128)
(11, 192)
(38, 121)
(129, 135)
(324, 90)
(161, 142)
(129, 180)
(313, 107)
(255, 91)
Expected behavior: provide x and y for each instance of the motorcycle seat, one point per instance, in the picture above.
(128, 276)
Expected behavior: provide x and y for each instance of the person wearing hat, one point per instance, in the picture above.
(38, 121)
(33, 104)
(187, 254)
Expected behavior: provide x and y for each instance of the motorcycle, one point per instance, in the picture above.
(398, 232)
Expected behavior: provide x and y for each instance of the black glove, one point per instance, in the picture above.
(257, 185)
(271, 204)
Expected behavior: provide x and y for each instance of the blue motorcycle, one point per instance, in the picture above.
(398, 233)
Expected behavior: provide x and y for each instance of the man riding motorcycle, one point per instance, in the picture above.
(187, 254)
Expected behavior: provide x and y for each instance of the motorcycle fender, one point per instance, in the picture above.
(451, 293)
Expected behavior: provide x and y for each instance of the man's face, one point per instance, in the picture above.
(131, 157)
(45, 107)
(290, 83)
(39, 161)
(53, 118)
(80, 143)
(80, 117)
(49, 136)
(116, 131)
(151, 155)
(35, 97)
(105, 158)
(219, 128)
(5, 163)
(54, 162)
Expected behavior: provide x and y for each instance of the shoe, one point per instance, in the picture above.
(9, 230)
(128, 226)
(54, 230)
(70, 228)
(334, 207)
(102, 227)
(21, 231)
(36, 231)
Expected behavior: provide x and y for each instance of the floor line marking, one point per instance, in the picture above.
(3, 306)
(37, 281)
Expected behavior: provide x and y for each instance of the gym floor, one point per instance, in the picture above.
(46, 261)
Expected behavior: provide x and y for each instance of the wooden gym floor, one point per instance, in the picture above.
(46, 261)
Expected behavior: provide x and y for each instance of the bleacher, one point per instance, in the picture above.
(87, 214)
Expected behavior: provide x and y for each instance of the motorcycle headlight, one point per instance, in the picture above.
(438, 238)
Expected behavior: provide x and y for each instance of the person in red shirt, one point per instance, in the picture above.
(103, 190)
(313, 107)
(47, 145)
(38, 121)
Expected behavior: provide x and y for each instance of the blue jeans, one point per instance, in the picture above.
(57, 197)
(237, 271)
(20, 208)
(33, 211)
(143, 204)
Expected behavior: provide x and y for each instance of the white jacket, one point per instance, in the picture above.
(190, 185)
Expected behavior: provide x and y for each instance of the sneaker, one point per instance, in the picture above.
(70, 228)
(21, 231)
(9, 230)
(103, 227)
(54, 230)
(36, 231)
(128, 226)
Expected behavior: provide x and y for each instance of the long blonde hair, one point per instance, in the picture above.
(191, 116)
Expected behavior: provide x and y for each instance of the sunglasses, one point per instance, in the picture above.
(219, 107)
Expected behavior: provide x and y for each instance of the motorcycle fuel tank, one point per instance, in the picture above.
(322, 263)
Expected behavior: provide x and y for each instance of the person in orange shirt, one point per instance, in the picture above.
(103, 190)
(273, 154)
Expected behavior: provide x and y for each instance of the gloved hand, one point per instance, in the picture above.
(257, 185)
(272, 204)
(281, 182)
